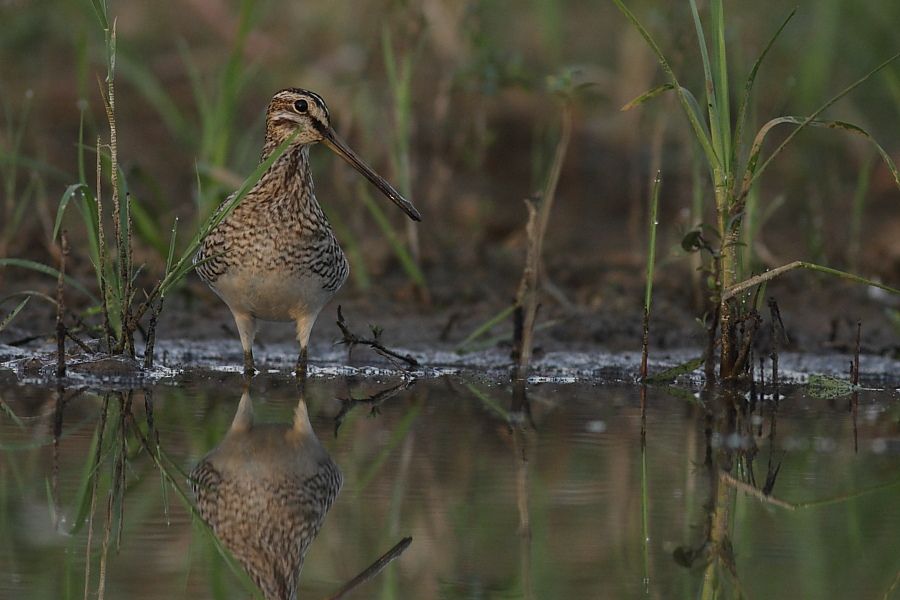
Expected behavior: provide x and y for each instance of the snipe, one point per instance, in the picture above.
(275, 257)
(265, 491)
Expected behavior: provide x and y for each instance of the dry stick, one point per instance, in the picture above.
(527, 296)
(61, 307)
(101, 243)
(350, 340)
(151, 334)
(109, 102)
(775, 316)
(854, 378)
(374, 569)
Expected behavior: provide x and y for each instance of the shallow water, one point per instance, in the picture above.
(566, 503)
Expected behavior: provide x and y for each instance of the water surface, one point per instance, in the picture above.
(551, 496)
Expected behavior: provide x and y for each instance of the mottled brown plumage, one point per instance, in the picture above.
(264, 491)
(275, 256)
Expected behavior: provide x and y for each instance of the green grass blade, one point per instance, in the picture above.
(756, 149)
(47, 270)
(720, 79)
(63, 203)
(696, 125)
(709, 84)
(648, 95)
(673, 372)
(482, 329)
(150, 88)
(799, 264)
(100, 11)
(651, 250)
(146, 227)
(12, 315)
(751, 175)
(400, 251)
(748, 87)
(183, 264)
(171, 253)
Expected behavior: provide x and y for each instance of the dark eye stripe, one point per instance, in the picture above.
(318, 99)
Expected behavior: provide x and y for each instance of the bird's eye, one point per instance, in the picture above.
(301, 106)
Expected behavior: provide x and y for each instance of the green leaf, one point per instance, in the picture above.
(682, 369)
(751, 175)
(42, 268)
(63, 203)
(100, 11)
(748, 86)
(696, 124)
(648, 95)
(12, 315)
(397, 245)
(482, 329)
(752, 171)
(829, 388)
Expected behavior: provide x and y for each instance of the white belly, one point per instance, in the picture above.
(272, 295)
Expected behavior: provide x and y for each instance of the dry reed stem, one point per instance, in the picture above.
(374, 569)
(61, 306)
(536, 229)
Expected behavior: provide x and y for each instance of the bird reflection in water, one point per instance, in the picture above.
(264, 491)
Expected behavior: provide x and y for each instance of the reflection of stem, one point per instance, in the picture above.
(718, 536)
(521, 449)
(374, 569)
(95, 474)
(645, 498)
(57, 433)
(760, 495)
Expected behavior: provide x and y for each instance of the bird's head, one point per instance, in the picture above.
(301, 113)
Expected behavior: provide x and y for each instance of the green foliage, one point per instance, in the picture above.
(733, 168)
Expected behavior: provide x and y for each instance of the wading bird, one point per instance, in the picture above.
(275, 256)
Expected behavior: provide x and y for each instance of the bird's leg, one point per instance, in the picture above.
(249, 369)
(301, 365)
(304, 328)
(246, 325)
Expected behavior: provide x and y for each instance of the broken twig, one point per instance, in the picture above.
(350, 340)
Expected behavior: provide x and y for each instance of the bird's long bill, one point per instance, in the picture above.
(340, 148)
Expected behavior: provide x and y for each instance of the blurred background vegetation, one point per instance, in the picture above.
(449, 99)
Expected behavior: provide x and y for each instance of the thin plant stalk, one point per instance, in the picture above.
(651, 262)
(747, 284)
(527, 296)
(61, 307)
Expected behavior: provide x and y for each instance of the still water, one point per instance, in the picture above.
(549, 496)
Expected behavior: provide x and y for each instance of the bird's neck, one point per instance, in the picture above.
(291, 174)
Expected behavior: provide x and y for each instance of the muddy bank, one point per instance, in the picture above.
(179, 361)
